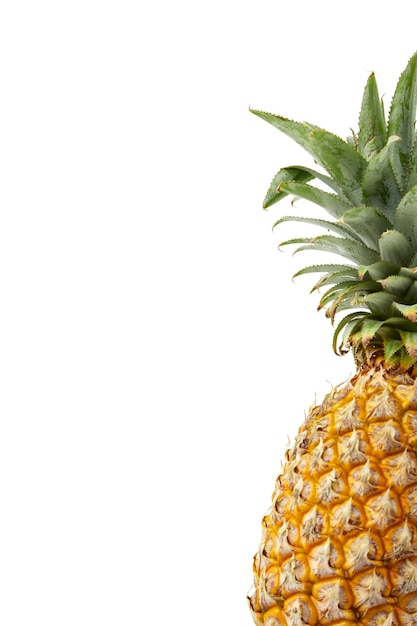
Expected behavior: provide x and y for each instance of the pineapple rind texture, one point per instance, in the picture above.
(339, 544)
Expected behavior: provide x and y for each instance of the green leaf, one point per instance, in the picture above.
(413, 261)
(328, 267)
(362, 288)
(411, 296)
(395, 248)
(324, 178)
(401, 323)
(379, 270)
(352, 250)
(380, 186)
(408, 310)
(274, 193)
(297, 174)
(350, 297)
(369, 328)
(379, 303)
(403, 113)
(407, 360)
(332, 226)
(328, 201)
(412, 175)
(409, 272)
(347, 324)
(405, 219)
(332, 274)
(344, 164)
(391, 346)
(338, 292)
(348, 305)
(372, 125)
(397, 285)
(368, 223)
(335, 277)
(410, 343)
(298, 131)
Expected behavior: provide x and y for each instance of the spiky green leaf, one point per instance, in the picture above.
(407, 360)
(400, 324)
(411, 294)
(380, 187)
(397, 285)
(403, 114)
(275, 193)
(344, 164)
(380, 304)
(324, 178)
(334, 227)
(410, 343)
(405, 219)
(328, 267)
(298, 131)
(338, 292)
(352, 250)
(395, 248)
(412, 174)
(332, 274)
(391, 347)
(369, 328)
(413, 261)
(345, 327)
(408, 310)
(379, 270)
(332, 203)
(372, 125)
(335, 277)
(350, 298)
(368, 223)
(409, 272)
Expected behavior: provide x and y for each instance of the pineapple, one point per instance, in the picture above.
(339, 543)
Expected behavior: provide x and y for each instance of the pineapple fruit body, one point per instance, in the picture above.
(339, 543)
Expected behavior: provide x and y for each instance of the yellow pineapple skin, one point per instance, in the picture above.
(339, 543)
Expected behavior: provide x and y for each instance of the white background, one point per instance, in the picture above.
(155, 354)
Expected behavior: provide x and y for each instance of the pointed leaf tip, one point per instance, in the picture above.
(402, 115)
(372, 125)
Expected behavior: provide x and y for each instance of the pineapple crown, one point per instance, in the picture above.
(370, 192)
